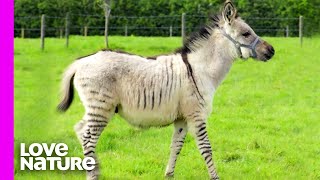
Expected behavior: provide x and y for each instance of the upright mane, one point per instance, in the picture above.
(202, 34)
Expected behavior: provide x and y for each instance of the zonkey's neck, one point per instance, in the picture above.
(213, 59)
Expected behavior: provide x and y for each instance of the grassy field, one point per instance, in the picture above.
(265, 122)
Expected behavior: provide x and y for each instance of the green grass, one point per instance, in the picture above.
(265, 122)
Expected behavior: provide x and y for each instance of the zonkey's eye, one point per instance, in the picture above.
(246, 34)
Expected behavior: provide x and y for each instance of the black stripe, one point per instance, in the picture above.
(84, 78)
(87, 153)
(179, 145)
(107, 96)
(152, 103)
(204, 143)
(209, 160)
(195, 115)
(97, 107)
(198, 120)
(205, 158)
(91, 146)
(202, 129)
(97, 120)
(94, 92)
(138, 99)
(201, 139)
(86, 136)
(94, 134)
(152, 89)
(200, 135)
(169, 173)
(160, 96)
(97, 115)
(190, 72)
(85, 143)
(101, 100)
(180, 141)
(207, 151)
(144, 98)
(97, 125)
(205, 147)
(203, 125)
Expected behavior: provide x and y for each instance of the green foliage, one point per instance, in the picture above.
(310, 9)
(264, 125)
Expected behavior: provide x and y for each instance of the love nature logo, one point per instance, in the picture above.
(33, 159)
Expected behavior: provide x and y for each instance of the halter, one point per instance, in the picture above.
(238, 45)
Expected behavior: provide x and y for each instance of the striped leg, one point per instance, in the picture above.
(180, 131)
(89, 131)
(203, 143)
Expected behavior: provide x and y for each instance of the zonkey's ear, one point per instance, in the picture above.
(229, 12)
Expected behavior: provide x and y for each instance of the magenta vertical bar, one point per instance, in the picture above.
(6, 89)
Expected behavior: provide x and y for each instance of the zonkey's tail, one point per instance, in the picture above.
(67, 88)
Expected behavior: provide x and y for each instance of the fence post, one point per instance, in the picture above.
(42, 31)
(107, 14)
(170, 31)
(85, 31)
(287, 31)
(67, 30)
(61, 32)
(301, 30)
(183, 26)
(22, 33)
(126, 30)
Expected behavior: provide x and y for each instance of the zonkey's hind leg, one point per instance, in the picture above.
(180, 132)
(197, 127)
(89, 131)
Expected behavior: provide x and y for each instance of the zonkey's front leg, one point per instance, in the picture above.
(198, 129)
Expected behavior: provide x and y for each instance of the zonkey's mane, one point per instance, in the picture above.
(203, 33)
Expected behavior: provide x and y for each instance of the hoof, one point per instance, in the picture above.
(93, 177)
(169, 175)
(215, 178)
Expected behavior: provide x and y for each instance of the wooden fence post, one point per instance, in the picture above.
(170, 31)
(42, 31)
(301, 30)
(183, 26)
(86, 31)
(126, 30)
(107, 14)
(67, 30)
(22, 33)
(287, 31)
(61, 33)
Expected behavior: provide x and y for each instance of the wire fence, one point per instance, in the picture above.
(93, 24)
